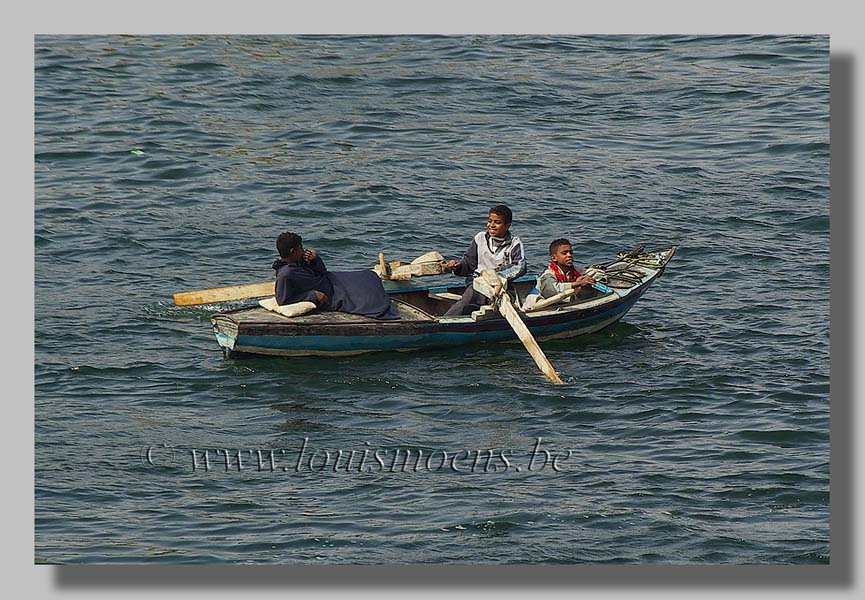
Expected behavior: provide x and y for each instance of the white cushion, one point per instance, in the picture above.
(287, 310)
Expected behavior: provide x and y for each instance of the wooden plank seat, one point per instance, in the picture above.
(444, 296)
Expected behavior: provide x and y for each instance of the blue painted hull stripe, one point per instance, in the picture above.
(325, 343)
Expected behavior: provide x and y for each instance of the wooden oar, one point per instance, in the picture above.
(224, 294)
(426, 264)
(491, 286)
(541, 304)
(383, 271)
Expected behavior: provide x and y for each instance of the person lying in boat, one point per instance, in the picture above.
(301, 275)
(561, 276)
(494, 248)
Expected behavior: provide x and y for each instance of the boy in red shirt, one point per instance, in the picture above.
(560, 275)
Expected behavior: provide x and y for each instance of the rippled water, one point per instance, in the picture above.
(695, 430)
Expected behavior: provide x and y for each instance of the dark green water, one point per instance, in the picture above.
(694, 431)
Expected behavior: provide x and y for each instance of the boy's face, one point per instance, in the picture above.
(295, 254)
(563, 256)
(496, 225)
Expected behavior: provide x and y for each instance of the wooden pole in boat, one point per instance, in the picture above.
(266, 288)
(223, 294)
(492, 287)
(541, 304)
(383, 266)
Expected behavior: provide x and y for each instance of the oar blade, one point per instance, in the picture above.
(224, 294)
(491, 285)
(513, 318)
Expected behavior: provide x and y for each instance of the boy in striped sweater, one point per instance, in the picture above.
(494, 248)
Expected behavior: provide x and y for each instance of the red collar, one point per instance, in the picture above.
(564, 275)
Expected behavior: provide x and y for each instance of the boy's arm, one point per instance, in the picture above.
(469, 261)
(513, 270)
(517, 265)
(317, 264)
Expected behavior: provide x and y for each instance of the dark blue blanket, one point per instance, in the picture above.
(355, 292)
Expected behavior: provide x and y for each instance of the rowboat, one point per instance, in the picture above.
(257, 331)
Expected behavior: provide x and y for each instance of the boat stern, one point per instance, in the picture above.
(225, 330)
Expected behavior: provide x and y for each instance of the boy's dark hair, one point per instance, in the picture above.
(502, 211)
(286, 242)
(556, 244)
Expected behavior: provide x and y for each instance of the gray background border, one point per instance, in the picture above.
(837, 18)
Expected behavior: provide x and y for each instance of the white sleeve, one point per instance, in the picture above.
(549, 286)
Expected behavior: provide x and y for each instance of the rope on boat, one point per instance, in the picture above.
(650, 260)
(621, 272)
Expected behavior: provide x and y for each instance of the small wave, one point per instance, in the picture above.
(108, 371)
(711, 94)
(178, 103)
(199, 66)
(742, 222)
(431, 81)
(50, 69)
(822, 558)
(262, 106)
(757, 57)
(161, 122)
(784, 438)
(553, 44)
(786, 190)
(682, 169)
(368, 128)
(780, 149)
(178, 173)
(313, 79)
(299, 425)
(376, 189)
(167, 309)
(65, 155)
(489, 528)
(812, 223)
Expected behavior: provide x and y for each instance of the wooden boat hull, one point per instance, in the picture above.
(255, 331)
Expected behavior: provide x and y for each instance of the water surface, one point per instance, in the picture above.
(694, 431)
